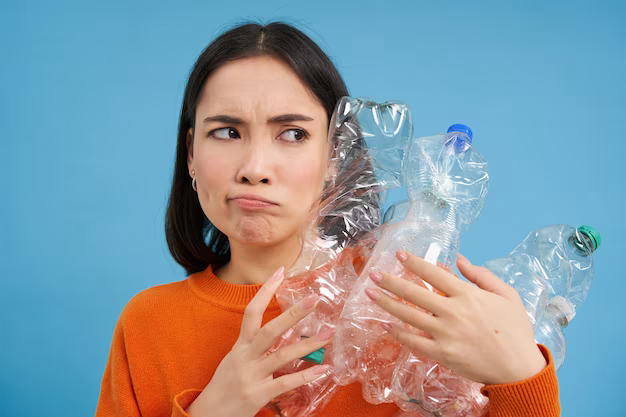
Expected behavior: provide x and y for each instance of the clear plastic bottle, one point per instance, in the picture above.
(447, 182)
(367, 147)
(552, 270)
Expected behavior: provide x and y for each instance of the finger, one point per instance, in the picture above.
(267, 336)
(410, 292)
(482, 277)
(289, 382)
(287, 354)
(414, 342)
(253, 314)
(434, 275)
(410, 315)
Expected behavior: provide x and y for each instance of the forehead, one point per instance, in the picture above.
(257, 85)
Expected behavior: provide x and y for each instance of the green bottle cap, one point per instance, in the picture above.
(592, 234)
(316, 357)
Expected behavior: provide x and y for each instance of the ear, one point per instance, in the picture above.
(189, 143)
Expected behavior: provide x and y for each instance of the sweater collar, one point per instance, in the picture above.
(234, 297)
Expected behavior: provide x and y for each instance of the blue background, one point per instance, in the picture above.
(91, 94)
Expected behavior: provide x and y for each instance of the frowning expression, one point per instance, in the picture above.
(259, 150)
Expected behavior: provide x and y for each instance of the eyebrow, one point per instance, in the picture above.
(281, 118)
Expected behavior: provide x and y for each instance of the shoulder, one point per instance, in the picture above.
(153, 303)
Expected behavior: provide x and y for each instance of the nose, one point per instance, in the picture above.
(255, 164)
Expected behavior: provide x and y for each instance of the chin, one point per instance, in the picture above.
(262, 233)
(255, 230)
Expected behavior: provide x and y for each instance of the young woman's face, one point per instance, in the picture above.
(259, 135)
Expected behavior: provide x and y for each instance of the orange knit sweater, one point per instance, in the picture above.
(170, 338)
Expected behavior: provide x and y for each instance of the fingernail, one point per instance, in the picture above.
(372, 293)
(376, 277)
(320, 369)
(278, 274)
(309, 301)
(327, 333)
(386, 326)
(461, 258)
(401, 256)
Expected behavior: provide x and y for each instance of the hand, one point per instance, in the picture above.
(243, 382)
(480, 331)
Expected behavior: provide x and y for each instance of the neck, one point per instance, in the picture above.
(253, 265)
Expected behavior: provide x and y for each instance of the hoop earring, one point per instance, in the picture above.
(193, 182)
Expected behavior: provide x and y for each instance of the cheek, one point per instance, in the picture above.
(214, 172)
(304, 179)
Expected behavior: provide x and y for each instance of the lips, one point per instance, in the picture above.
(253, 198)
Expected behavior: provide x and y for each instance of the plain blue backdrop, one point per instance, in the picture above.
(90, 98)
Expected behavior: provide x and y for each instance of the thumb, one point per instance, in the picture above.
(482, 277)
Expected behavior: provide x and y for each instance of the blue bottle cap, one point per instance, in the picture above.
(462, 129)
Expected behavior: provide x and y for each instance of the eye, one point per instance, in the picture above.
(295, 135)
(224, 133)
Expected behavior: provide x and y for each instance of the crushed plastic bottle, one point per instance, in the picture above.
(368, 143)
(447, 182)
(552, 270)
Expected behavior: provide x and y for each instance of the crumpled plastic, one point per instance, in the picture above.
(447, 182)
(368, 144)
(552, 270)
(372, 150)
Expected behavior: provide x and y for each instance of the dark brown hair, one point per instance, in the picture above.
(186, 226)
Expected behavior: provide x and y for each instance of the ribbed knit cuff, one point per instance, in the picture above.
(537, 396)
(182, 401)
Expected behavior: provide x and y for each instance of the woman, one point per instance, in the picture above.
(251, 163)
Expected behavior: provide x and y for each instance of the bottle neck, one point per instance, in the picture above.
(442, 230)
(430, 208)
(581, 243)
